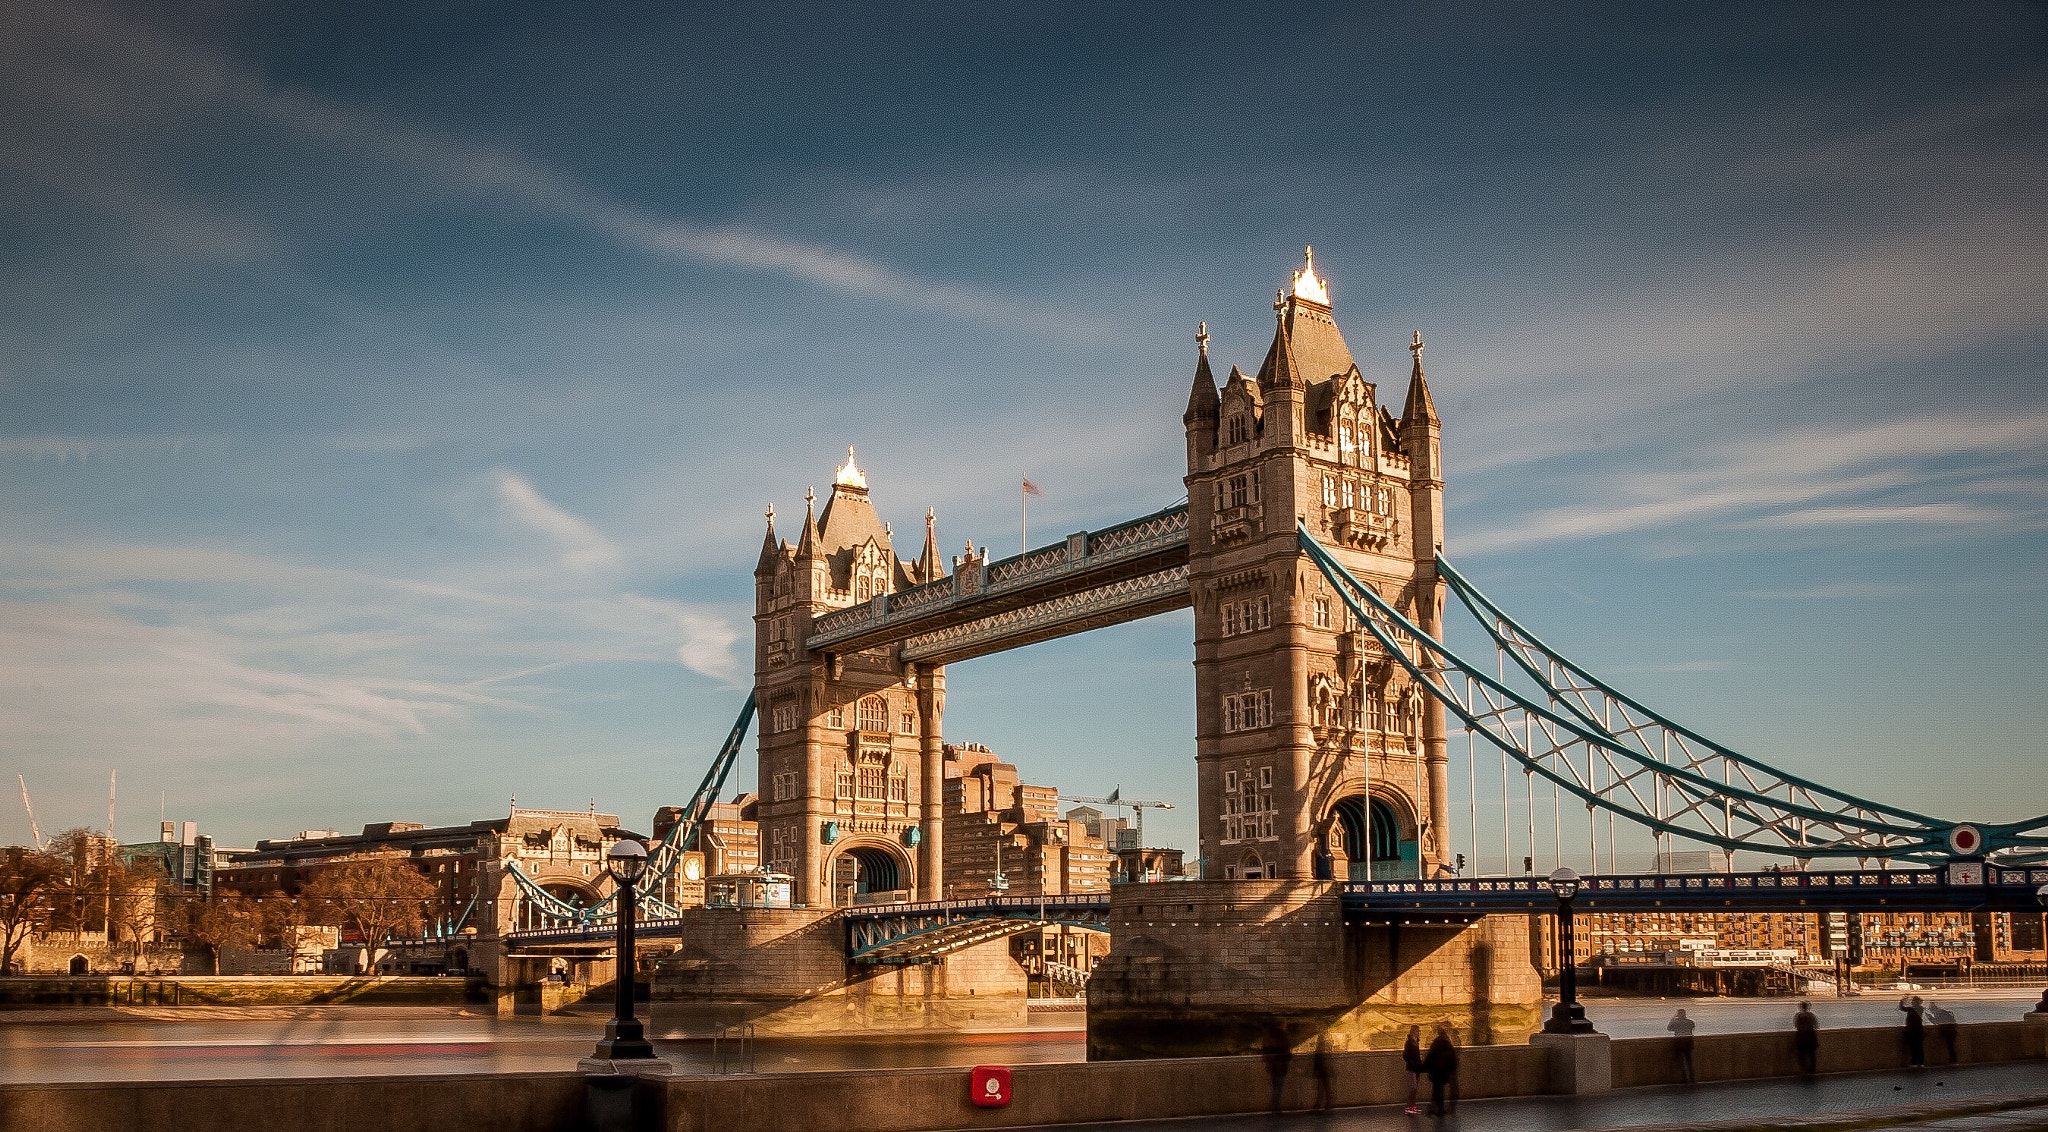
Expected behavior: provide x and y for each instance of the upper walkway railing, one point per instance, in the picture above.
(1089, 561)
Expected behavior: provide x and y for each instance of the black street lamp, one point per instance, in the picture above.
(1567, 1017)
(624, 1040)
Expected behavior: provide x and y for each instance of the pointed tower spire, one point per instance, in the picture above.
(770, 555)
(931, 566)
(1202, 399)
(808, 543)
(1420, 407)
(1280, 370)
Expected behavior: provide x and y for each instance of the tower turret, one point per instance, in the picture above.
(1203, 404)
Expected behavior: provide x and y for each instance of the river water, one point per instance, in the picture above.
(381, 1041)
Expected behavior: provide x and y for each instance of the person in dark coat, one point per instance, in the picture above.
(1411, 1060)
(1320, 1064)
(1944, 1021)
(1441, 1063)
(1681, 1029)
(1806, 1038)
(1278, 1052)
(1916, 1032)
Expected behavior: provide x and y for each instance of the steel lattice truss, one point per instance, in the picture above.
(657, 888)
(1614, 754)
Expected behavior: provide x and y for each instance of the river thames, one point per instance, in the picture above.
(89, 1045)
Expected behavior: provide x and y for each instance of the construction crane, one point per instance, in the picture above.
(1137, 807)
(35, 832)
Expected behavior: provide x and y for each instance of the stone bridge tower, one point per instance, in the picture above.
(851, 752)
(1316, 756)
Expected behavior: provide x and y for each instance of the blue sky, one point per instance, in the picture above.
(389, 398)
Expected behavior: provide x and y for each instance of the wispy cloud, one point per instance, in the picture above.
(97, 67)
(583, 550)
(65, 449)
(1798, 479)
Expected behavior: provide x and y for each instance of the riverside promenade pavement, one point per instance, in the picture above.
(1828, 1100)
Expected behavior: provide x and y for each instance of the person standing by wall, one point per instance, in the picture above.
(1681, 1029)
(1944, 1028)
(1411, 1059)
(1806, 1039)
(1441, 1063)
(1279, 1052)
(1915, 1033)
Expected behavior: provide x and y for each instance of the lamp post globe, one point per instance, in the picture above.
(624, 1038)
(627, 861)
(1567, 1017)
(1564, 884)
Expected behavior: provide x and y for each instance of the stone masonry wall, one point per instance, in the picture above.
(1212, 967)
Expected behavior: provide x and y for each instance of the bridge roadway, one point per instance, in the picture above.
(1090, 580)
(897, 933)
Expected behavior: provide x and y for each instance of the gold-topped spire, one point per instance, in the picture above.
(1202, 337)
(850, 475)
(1306, 285)
(1415, 347)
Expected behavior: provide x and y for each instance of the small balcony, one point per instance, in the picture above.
(1233, 523)
(1362, 528)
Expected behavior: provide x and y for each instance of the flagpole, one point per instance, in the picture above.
(1023, 518)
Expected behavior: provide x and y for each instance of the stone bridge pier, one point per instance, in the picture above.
(1211, 967)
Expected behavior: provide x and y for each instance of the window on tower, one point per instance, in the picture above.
(1322, 613)
(1329, 491)
(874, 714)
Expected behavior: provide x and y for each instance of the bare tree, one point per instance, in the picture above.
(376, 897)
(231, 919)
(31, 882)
(81, 906)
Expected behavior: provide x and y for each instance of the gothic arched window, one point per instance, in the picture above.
(874, 714)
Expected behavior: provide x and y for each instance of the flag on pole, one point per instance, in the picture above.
(1024, 515)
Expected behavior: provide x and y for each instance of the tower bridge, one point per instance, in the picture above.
(1311, 550)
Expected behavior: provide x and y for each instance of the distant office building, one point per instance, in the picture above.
(1006, 836)
(186, 857)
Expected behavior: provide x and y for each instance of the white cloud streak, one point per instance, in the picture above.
(583, 550)
(1796, 479)
(96, 66)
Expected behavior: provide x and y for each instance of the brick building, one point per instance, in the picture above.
(998, 826)
(562, 851)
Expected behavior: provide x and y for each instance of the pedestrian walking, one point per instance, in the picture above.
(1441, 1063)
(1916, 1032)
(1681, 1029)
(1806, 1038)
(1411, 1059)
(1944, 1028)
(1320, 1064)
(1278, 1052)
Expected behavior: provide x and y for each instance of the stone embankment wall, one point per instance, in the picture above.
(295, 990)
(914, 1100)
(1201, 967)
(53, 953)
(785, 971)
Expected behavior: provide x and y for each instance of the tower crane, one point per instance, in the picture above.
(1137, 806)
(35, 832)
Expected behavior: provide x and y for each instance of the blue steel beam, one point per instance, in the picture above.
(1865, 890)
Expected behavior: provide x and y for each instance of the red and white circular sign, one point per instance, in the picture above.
(1966, 841)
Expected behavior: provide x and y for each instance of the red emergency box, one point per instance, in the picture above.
(989, 1086)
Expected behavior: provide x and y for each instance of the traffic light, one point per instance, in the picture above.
(1461, 864)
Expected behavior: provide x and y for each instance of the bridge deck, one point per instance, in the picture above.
(1864, 890)
(1091, 579)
